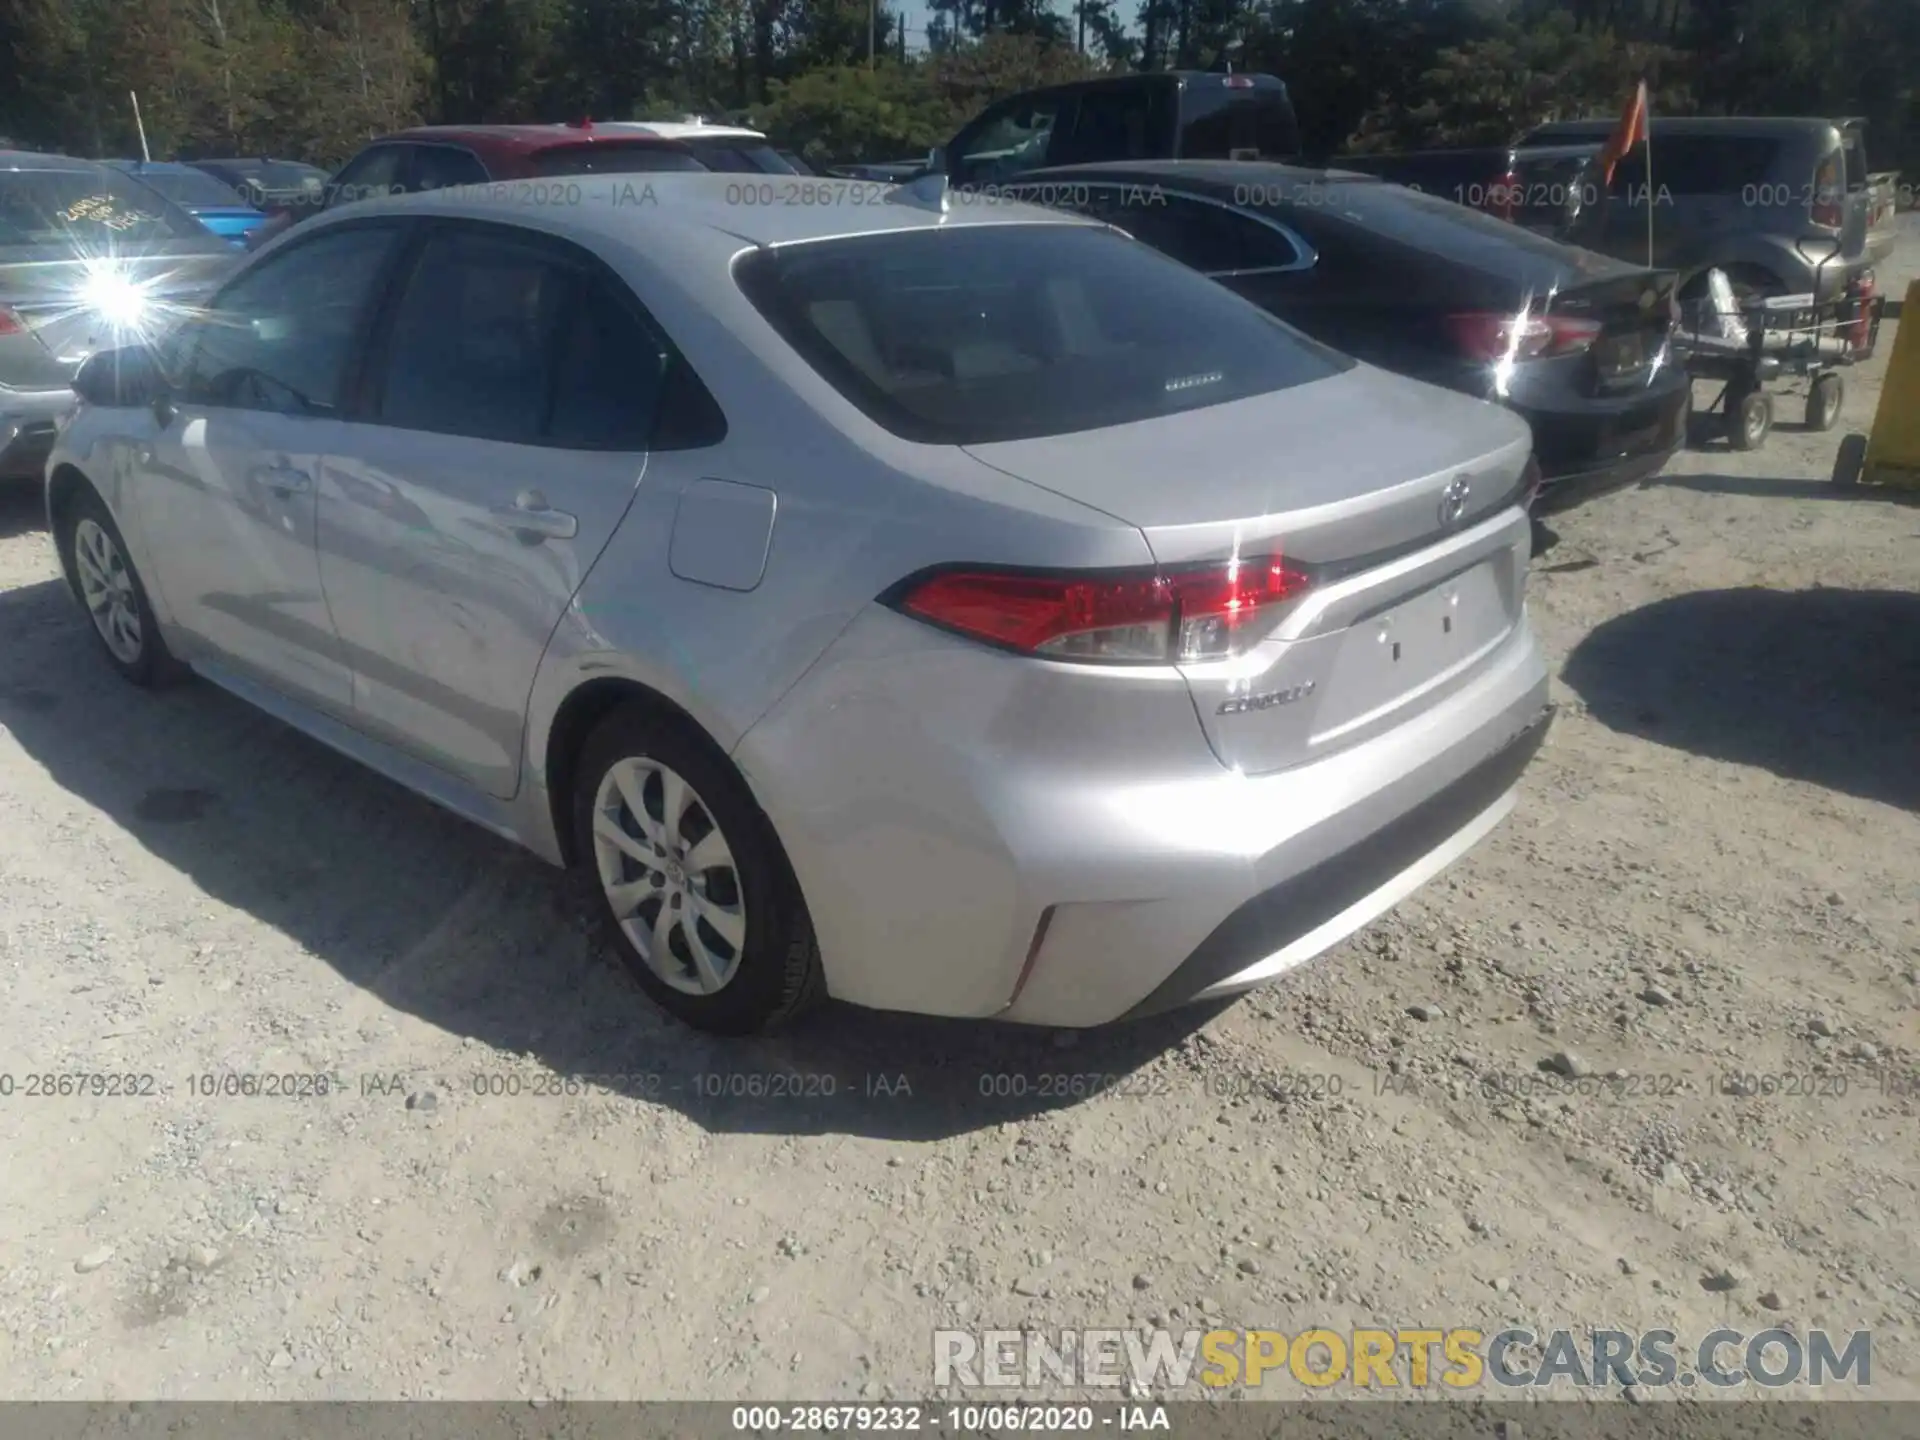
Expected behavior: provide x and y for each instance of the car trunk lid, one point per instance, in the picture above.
(1635, 312)
(60, 314)
(1401, 501)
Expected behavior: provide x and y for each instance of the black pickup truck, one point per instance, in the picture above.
(1165, 115)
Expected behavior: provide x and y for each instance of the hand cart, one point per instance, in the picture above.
(1783, 335)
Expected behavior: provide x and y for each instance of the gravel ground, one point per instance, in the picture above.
(1711, 873)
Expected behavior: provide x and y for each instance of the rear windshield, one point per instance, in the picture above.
(91, 210)
(1455, 232)
(1854, 144)
(1009, 332)
(739, 156)
(613, 158)
(1230, 124)
(190, 187)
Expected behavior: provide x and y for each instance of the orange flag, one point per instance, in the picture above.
(1631, 130)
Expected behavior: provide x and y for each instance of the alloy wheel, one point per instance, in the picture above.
(106, 583)
(669, 875)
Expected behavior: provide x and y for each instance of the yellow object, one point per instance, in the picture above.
(1893, 447)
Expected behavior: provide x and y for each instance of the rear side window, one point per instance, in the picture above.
(1211, 238)
(1699, 165)
(610, 159)
(1007, 332)
(498, 339)
(437, 166)
(369, 175)
(607, 378)
(474, 340)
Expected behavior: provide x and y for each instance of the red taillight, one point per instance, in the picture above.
(1522, 337)
(1829, 196)
(10, 323)
(1142, 617)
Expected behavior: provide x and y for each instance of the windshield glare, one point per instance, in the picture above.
(1009, 332)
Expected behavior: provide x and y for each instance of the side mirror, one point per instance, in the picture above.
(128, 376)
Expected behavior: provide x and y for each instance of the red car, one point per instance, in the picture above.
(430, 157)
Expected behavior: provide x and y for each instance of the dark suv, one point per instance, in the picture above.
(1784, 205)
(1173, 115)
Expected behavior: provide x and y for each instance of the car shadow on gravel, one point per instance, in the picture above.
(1815, 685)
(20, 508)
(1765, 488)
(442, 921)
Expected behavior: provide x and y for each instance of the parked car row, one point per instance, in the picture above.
(949, 608)
(1055, 591)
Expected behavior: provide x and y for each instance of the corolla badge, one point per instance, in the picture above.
(1453, 500)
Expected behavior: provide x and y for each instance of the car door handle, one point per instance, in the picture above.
(283, 479)
(530, 518)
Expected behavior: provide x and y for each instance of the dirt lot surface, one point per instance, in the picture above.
(1712, 873)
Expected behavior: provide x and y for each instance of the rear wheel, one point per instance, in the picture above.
(1824, 400)
(113, 593)
(703, 908)
(1749, 419)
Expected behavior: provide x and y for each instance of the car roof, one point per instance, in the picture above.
(156, 167)
(697, 208)
(530, 139)
(35, 160)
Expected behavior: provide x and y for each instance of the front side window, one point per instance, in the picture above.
(1006, 332)
(281, 337)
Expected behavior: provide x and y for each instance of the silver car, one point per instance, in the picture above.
(958, 610)
(89, 259)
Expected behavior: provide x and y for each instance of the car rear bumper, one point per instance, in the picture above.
(1583, 454)
(29, 422)
(1033, 855)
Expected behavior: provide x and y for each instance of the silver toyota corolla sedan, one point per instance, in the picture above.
(948, 608)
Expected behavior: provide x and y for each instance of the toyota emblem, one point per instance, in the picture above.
(1453, 501)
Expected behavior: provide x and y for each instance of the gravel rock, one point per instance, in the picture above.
(1566, 1062)
(1426, 1012)
(93, 1259)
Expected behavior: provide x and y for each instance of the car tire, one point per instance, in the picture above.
(1824, 399)
(727, 946)
(112, 593)
(1749, 419)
